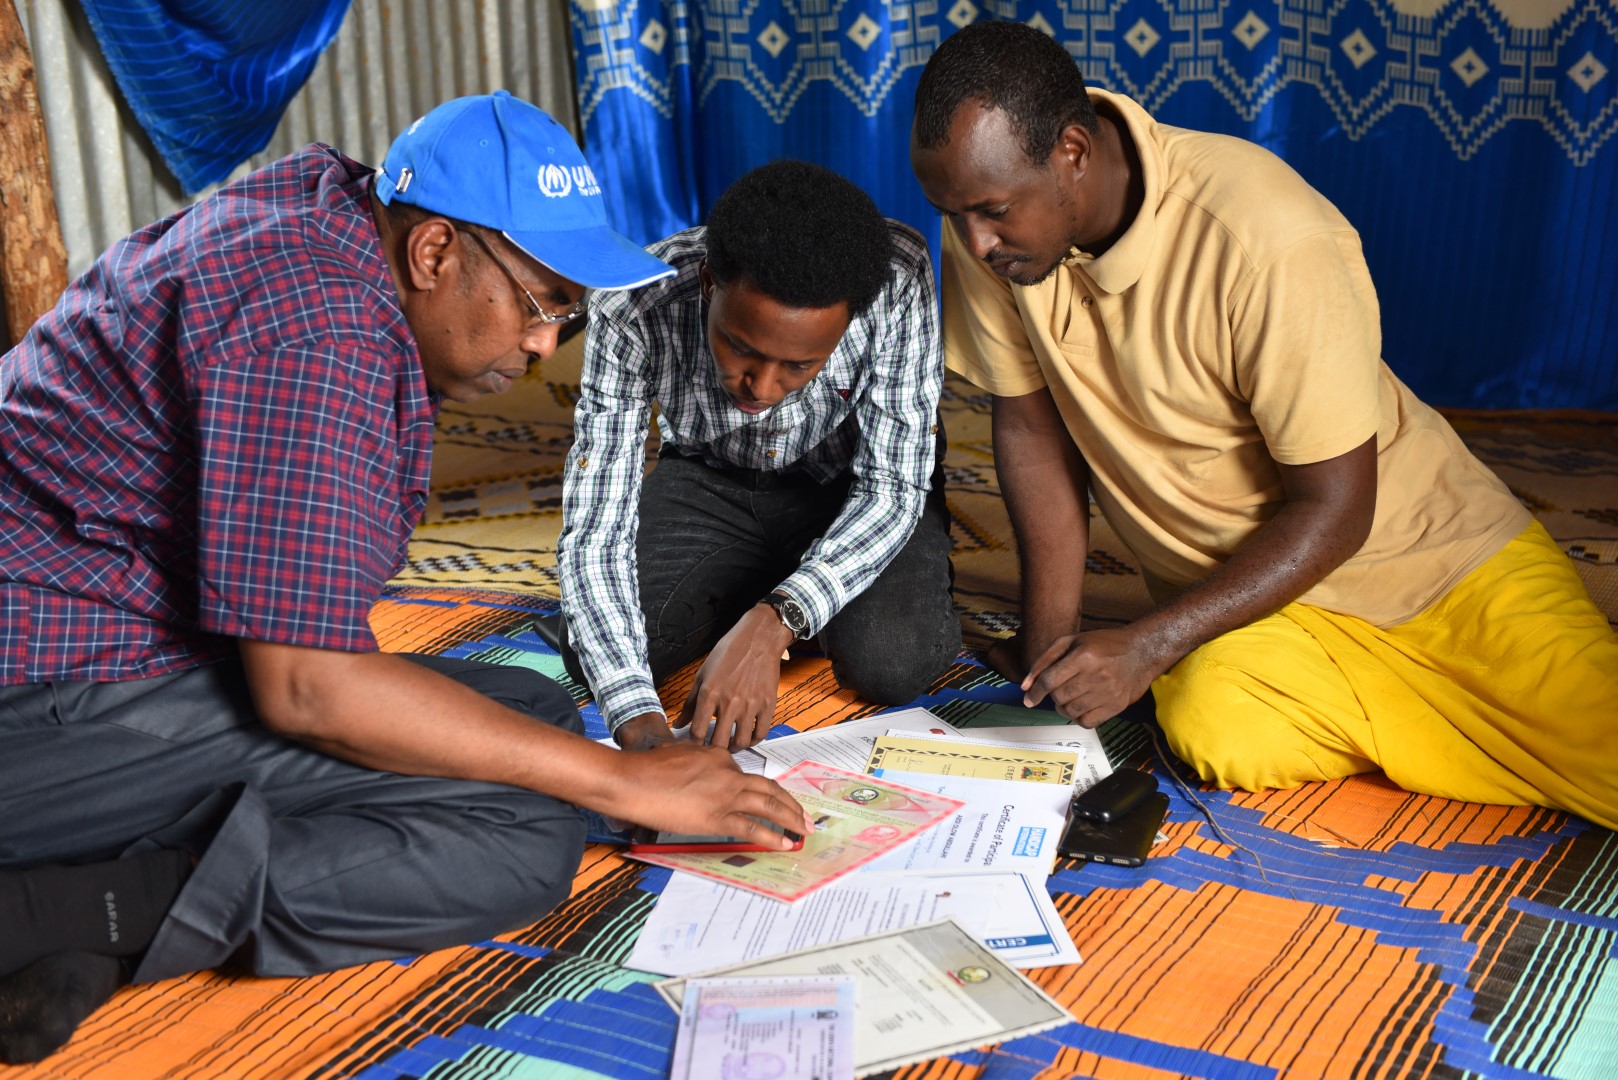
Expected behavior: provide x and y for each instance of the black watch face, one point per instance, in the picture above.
(792, 615)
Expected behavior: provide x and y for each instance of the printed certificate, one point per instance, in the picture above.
(973, 759)
(922, 992)
(1001, 825)
(848, 745)
(1093, 763)
(781, 1028)
(857, 819)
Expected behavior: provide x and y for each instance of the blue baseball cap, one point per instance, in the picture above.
(497, 161)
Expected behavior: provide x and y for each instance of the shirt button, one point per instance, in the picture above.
(933, 429)
(584, 462)
(1086, 301)
(769, 453)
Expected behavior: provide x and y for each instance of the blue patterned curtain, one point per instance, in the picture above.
(1472, 143)
(208, 80)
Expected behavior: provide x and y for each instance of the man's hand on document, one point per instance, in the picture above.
(682, 787)
(732, 700)
(1091, 677)
(643, 732)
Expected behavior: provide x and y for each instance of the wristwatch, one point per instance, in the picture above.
(791, 615)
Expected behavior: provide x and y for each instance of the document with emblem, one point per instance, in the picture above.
(857, 818)
(848, 745)
(796, 1027)
(973, 758)
(1001, 825)
(923, 992)
(1093, 763)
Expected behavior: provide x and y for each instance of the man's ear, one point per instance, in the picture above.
(705, 277)
(432, 249)
(1072, 150)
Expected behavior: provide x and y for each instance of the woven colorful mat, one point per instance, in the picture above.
(1342, 929)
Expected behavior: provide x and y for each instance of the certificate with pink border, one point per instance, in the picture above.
(857, 819)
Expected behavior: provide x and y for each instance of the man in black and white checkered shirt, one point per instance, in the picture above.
(796, 363)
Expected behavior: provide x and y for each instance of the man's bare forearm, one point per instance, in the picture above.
(1045, 484)
(1324, 521)
(387, 713)
(1324, 518)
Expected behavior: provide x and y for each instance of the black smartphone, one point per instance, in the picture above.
(1124, 842)
(1111, 797)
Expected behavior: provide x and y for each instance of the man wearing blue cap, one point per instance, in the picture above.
(212, 454)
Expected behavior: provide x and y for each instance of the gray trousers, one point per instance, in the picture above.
(305, 863)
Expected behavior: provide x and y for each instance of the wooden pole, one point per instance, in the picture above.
(33, 260)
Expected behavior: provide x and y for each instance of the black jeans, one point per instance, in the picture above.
(306, 863)
(713, 542)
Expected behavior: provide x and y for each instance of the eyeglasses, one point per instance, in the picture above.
(536, 313)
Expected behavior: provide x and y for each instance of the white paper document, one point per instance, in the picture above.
(699, 924)
(1093, 763)
(783, 1028)
(750, 761)
(847, 745)
(921, 993)
(1005, 825)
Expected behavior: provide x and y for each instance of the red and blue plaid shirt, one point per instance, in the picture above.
(221, 431)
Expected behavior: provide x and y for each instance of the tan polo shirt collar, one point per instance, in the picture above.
(1126, 260)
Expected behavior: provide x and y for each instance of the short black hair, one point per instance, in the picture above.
(802, 235)
(403, 216)
(1009, 66)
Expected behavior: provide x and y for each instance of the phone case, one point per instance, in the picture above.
(655, 848)
(650, 842)
(1124, 842)
(1114, 796)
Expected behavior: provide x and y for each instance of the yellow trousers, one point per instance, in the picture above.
(1504, 691)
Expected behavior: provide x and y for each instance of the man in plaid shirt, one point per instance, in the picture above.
(795, 361)
(212, 454)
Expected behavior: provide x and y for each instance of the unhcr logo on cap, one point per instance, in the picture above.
(556, 181)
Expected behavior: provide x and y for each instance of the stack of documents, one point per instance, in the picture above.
(848, 745)
(919, 993)
(924, 881)
(1014, 801)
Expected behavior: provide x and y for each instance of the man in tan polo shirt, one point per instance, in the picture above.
(1178, 324)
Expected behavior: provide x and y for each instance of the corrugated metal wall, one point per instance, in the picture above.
(392, 61)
